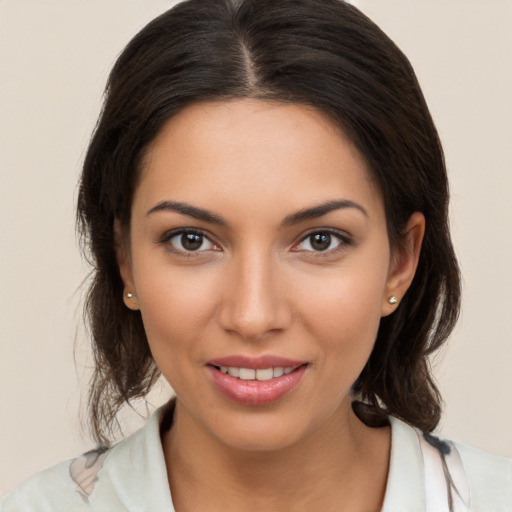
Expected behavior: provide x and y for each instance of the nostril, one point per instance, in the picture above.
(253, 312)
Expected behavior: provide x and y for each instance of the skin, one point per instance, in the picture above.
(258, 287)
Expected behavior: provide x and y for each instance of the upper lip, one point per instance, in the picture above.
(256, 363)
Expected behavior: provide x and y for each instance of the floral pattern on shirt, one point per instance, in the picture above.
(84, 470)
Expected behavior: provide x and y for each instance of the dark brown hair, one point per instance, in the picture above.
(322, 53)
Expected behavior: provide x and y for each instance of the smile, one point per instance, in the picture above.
(255, 381)
(256, 374)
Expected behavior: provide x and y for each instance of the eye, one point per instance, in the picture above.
(322, 241)
(189, 241)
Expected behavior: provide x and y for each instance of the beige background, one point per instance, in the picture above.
(54, 57)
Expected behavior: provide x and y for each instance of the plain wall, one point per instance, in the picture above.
(54, 59)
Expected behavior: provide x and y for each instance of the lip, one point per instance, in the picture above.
(254, 392)
(256, 363)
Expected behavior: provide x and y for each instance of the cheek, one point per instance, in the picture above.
(176, 306)
(343, 313)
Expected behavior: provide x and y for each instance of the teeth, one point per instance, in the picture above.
(278, 372)
(266, 374)
(247, 374)
(234, 372)
(252, 374)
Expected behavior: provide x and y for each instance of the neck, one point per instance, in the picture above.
(344, 461)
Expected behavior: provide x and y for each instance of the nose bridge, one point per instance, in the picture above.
(253, 304)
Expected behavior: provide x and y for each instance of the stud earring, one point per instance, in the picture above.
(392, 299)
(130, 301)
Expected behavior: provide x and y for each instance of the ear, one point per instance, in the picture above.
(404, 262)
(125, 267)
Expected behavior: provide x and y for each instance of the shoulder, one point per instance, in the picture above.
(425, 470)
(51, 490)
(489, 478)
(80, 484)
(129, 476)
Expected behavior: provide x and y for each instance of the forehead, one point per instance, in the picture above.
(252, 150)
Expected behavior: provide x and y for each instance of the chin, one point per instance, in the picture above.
(267, 429)
(261, 438)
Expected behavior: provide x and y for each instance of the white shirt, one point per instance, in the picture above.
(132, 477)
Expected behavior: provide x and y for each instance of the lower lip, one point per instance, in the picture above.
(255, 392)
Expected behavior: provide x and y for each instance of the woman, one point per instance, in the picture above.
(265, 202)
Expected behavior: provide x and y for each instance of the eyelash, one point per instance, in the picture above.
(343, 239)
(167, 237)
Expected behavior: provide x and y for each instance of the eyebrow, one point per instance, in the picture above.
(321, 210)
(189, 210)
(301, 216)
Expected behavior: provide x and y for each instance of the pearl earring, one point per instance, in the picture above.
(129, 295)
(392, 299)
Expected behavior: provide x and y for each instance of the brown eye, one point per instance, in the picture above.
(320, 241)
(189, 241)
(323, 241)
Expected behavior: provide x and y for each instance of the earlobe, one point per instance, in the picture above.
(125, 267)
(404, 262)
(130, 301)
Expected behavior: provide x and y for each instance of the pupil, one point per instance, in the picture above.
(191, 241)
(321, 241)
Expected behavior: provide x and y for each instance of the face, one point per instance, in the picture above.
(260, 262)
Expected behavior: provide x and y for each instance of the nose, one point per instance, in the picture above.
(254, 300)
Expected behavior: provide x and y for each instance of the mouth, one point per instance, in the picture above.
(260, 374)
(256, 382)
